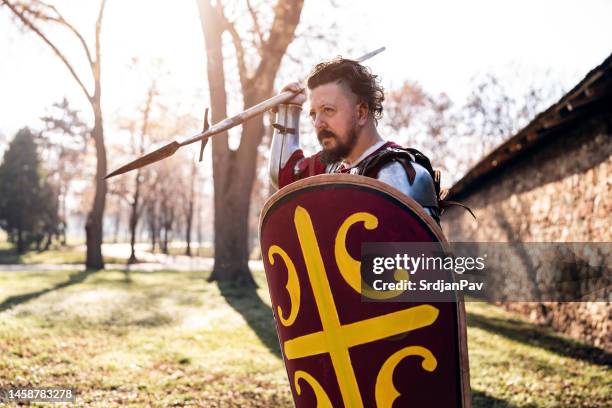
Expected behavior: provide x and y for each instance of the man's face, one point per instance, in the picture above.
(334, 112)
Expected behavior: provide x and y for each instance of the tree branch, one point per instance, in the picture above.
(286, 18)
(294, 58)
(255, 24)
(59, 18)
(240, 58)
(56, 50)
(98, 29)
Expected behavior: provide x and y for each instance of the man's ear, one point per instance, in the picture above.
(363, 113)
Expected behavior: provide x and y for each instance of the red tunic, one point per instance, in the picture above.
(312, 166)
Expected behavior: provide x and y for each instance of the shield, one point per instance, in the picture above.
(340, 351)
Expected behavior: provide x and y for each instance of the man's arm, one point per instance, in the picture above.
(422, 189)
(285, 150)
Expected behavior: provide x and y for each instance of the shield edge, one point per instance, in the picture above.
(351, 179)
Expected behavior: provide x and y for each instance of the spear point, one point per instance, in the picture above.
(155, 156)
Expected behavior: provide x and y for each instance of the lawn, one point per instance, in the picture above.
(56, 255)
(206, 250)
(169, 338)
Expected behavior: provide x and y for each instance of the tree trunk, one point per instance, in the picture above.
(188, 230)
(231, 235)
(48, 242)
(231, 254)
(93, 227)
(232, 206)
(117, 225)
(165, 241)
(153, 228)
(134, 219)
(198, 211)
(189, 210)
(158, 229)
(20, 243)
(234, 171)
(64, 222)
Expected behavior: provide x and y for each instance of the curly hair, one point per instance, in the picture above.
(360, 80)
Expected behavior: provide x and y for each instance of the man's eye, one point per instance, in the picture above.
(328, 110)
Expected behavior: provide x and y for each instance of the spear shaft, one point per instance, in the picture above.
(226, 124)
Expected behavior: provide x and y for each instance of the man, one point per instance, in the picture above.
(345, 105)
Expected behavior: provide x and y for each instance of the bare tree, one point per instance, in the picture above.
(234, 170)
(167, 199)
(152, 215)
(421, 120)
(161, 194)
(188, 207)
(139, 148)
(35, 14)
(455, 137)
(495, 110)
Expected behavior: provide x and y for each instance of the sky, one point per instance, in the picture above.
(440, 43)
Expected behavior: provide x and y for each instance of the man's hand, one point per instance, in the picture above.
(300, 97)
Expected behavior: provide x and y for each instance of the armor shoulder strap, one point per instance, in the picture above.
(372, 164)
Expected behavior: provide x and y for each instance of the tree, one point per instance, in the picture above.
(422, 120)
(234, 170)
(65, 142)
(28, 204)
(495, 111)
(152, 214)
(34, 14)
(165, 186)
(136, 207)
(188, 207)
(455, 137)
(50, 220)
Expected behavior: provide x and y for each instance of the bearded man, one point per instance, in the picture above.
(345, 106)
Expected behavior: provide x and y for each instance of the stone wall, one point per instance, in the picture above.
(560, 191)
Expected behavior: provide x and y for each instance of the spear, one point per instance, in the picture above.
(208, 131)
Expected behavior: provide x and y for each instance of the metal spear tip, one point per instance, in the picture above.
(149, 158)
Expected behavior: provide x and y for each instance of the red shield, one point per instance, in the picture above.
(338, 350)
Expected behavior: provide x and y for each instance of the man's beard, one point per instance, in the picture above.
(341, 150)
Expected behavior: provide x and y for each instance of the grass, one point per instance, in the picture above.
(514, 363)
(171, 339)
(56, 255)
(204, 251)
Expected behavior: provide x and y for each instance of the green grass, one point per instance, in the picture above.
(515, 363)
(170, 338)
(56, 255)
(204, 251)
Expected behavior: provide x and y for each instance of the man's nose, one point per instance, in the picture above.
(319, 123)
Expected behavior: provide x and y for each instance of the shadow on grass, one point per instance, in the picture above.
(484, 400)
(246, 301)
(74, 279)
(533, 335)
(9, 256)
